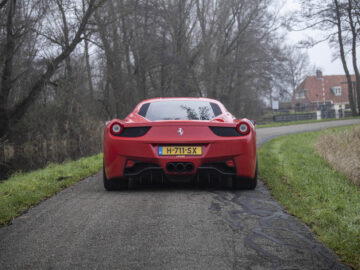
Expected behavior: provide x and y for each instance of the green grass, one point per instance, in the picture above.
(313, 191)
(24, 190)
(280, 124)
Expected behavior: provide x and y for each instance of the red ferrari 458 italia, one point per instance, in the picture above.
(180, 139)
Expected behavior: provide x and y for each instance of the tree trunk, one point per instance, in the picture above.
(87, 57)
(88, 67)
(6, 78)
(353, 51)
(343, 60)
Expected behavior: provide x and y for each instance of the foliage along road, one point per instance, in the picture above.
(84, 227)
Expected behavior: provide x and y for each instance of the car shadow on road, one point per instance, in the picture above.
(165, 185)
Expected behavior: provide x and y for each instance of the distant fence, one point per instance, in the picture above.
(335, 114)
(347, 114)
(324, 114)
(294, 117)
(328, 114)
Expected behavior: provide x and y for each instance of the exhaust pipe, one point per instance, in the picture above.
(170, 167)
(189, 167)
(180, 167)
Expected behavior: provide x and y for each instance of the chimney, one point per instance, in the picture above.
(319, 74)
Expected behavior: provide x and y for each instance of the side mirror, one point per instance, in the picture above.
(253, 122)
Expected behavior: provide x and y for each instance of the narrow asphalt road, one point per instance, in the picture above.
(85, 227)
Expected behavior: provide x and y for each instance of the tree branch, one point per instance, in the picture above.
(19, 111)
(3, 3)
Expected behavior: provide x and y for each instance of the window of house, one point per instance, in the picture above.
(300, 95)
(337, 90)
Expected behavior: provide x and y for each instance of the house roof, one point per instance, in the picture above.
(313, 87)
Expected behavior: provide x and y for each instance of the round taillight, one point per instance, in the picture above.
(116, 129)
(243, 128)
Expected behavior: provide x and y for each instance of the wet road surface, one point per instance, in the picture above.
(84, 227)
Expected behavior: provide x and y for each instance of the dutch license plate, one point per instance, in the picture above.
(180, 150)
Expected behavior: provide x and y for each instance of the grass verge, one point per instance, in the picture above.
(313, 191)
(24, 190)
(280, 124)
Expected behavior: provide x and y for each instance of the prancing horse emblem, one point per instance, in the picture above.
(180, 131)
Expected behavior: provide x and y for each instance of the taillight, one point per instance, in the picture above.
(230, 163)
(116, 129)
(243, 128)
(130, 163)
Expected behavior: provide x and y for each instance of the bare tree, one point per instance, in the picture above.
(334, 19)
(293, 68)
(351, 12)
(15, 114)
(186, 48)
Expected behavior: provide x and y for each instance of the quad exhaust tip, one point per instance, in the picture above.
(189, 167)
(170, 167)
(179, 167)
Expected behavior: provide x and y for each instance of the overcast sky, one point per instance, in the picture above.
(321, 55)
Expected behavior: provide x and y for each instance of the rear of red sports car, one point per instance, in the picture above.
(180, 138)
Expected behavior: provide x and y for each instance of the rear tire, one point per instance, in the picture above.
(114, 184)
(245, 183)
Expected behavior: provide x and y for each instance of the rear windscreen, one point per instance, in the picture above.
(180, 110)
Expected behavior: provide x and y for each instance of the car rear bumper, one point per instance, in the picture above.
(117, 151)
